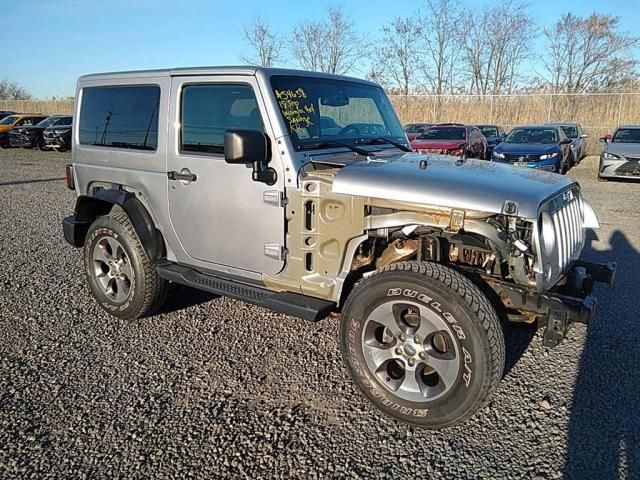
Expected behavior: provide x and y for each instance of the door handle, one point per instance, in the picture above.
(184, 175)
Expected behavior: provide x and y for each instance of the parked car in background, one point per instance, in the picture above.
(452, 139)
(17, 120)
(578, 139)
(493, 133)
(5, 113)
(57, 137)
(414, 130)
(31, 136)
(620, 157)
(545, 147)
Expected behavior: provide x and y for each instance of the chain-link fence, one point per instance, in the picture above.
(49, 107)
(598, 113)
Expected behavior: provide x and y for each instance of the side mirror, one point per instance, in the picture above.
(566, 141)
(498, 140)
(250, 146)
(584, 135)
(604, 140)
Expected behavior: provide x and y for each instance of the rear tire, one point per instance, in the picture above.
(121, 277)
(422, 343)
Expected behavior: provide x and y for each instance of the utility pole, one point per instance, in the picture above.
(106, 125)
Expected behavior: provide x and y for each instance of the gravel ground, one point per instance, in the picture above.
(213, 387)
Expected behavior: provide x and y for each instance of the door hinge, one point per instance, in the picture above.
(274, 197)
(275, 250)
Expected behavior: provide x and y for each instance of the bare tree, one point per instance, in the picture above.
(13, 91)
(266, 45)
(397, 59)
(307, 43)
(587, 54)
(492, 61)
(332, 45)
(441, 44)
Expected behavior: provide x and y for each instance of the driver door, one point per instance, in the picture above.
(219, 214)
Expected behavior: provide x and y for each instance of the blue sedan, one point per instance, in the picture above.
(545, 147)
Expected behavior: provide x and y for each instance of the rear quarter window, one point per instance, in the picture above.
(120, 117)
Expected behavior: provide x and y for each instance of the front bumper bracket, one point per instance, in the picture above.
(567, 303)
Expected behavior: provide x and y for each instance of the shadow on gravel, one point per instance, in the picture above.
(604, 426)
(517, 337)
(184, 297)
(23, 182)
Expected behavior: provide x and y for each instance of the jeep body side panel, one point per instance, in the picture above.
(142, 172)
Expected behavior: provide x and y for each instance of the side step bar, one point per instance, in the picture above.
(295, 304)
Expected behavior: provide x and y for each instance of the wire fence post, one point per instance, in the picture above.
(620, 109)
(491, 110)
(549, 114)
(433, 111)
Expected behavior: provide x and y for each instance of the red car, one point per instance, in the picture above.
(451, 139)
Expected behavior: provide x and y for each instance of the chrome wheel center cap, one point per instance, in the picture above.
(409, 350)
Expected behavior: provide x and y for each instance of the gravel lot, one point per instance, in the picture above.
(213, 387)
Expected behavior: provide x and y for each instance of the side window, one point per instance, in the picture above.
(208, 110)
(120, 117)
(27, 122)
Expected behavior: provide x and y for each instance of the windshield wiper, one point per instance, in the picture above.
(370, 141)
(333, 143)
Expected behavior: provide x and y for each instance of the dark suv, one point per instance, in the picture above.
(58, 137)
(31, 136)
(452, 139)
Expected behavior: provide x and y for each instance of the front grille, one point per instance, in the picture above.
(631, 168)
(521, 158)
(566, 213)
(632, 159)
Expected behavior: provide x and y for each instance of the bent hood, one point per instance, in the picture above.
(470, 185)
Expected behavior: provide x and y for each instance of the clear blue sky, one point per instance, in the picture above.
(47, 44)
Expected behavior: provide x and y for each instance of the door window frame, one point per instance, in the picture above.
(221, 83)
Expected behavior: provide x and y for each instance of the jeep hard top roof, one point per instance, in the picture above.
(228, 70)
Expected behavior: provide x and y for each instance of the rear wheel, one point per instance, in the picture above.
(422, 343)
(122, 278)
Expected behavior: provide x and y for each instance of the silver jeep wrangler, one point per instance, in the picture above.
(298, 192)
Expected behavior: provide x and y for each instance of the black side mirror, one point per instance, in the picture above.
(566, 141)
(250, 146)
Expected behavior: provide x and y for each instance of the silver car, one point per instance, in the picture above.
(620, 157)
(298, 192)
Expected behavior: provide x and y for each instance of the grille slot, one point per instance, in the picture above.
(567, 219)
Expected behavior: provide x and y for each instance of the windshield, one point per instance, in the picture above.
(488, 130)
(319, 111)
(8, 120)
(570, 131)
(416, 128)
(533, 135)
(47, 122)
(443, 133)
(627, 135)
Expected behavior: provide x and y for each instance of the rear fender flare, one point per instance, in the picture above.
(101, 202)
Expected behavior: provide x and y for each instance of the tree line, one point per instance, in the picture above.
(446, 48)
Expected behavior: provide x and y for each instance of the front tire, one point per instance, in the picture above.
(121, 277)
(422, 343)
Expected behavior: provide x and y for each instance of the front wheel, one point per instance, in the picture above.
(422, 343)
